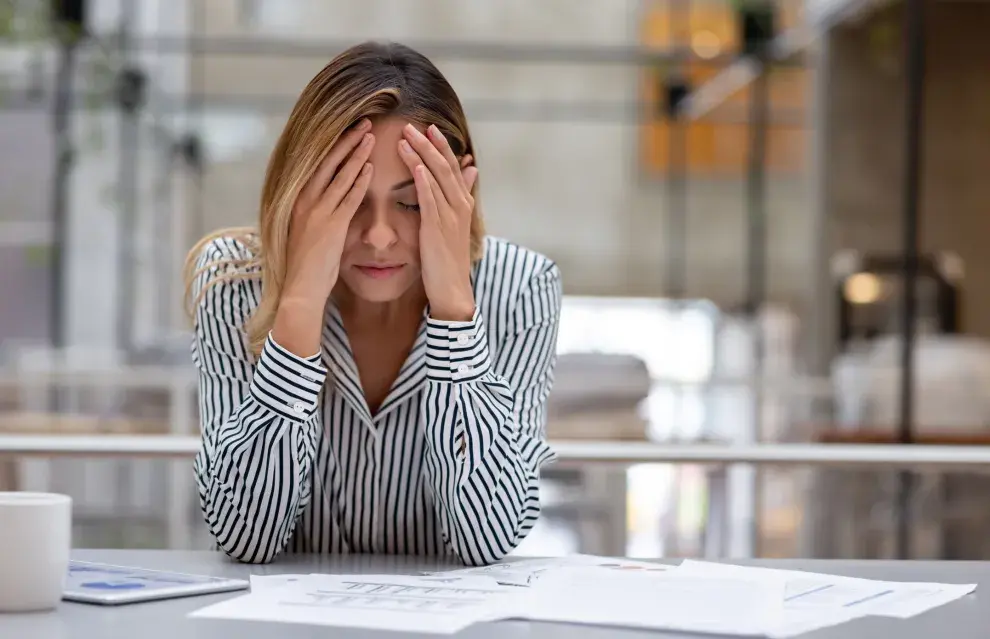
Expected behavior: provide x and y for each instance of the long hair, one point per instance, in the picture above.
(368, 80)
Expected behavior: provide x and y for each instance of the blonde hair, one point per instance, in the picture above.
(367, 80)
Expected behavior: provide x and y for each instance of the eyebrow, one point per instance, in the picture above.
(403, 184)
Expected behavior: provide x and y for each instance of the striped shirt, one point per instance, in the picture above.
(293, 460)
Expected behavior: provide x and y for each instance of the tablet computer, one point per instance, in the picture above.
(111, 585)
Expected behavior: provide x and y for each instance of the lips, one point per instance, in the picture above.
(379, 271)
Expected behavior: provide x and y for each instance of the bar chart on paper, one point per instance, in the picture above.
(432, 604)
(371, 595)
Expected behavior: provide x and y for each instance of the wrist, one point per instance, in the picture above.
(298, 326)
(453, 312)
(302, 305)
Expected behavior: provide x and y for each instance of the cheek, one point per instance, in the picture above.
(408, 231)
(353, 238)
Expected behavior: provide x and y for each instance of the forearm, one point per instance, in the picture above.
(253, 490)
(481, 461)
(254, 468)
(298, 325)
(486, 486)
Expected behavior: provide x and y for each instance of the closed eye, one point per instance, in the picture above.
(408, 207)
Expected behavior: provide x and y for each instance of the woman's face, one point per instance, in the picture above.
(381, 261)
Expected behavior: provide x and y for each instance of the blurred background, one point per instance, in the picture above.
(752, 204)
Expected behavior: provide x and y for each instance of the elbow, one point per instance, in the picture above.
(235, 536)
(242, 546)
(478, 557)
(484, 546)
(244, 557)
(481, 560)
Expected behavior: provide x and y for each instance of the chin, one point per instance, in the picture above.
(380, 294)
(387, 289)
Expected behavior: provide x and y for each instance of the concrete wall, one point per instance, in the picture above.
(567, 187)
(866, 132)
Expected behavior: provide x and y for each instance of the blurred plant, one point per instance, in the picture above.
(885, 44)
(28, 24)
(22, 19)
(37, 255)
(22, 23)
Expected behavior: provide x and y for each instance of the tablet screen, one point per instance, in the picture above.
(105, 583)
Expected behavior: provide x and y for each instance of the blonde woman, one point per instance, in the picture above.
(373, 369)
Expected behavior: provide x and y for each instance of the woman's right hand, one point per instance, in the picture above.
(320, 217)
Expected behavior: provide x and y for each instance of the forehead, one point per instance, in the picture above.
(389, 167)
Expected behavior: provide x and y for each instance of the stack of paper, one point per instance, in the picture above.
(813, 601)
(526, 571)
(663, 601)
(442, 605)
(696, 596)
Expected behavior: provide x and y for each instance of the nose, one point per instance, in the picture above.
(379, 233)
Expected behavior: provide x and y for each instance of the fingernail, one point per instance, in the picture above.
(364, 124)
(367, 139)
(366, 169)
(434, 131)
(405, 146)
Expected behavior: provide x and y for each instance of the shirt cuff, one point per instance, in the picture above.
(456, 351)
(286, 383)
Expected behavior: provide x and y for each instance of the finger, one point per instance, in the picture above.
(467, 160)
(443, 208)
(470, 175)
(441, 144)
(318, 182)
(355, 196)
(342, 182)
(429, 212)
(438, 165)
(409, 157)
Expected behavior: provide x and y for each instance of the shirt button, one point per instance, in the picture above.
(463, 368)
(299, 407)
(463, 338)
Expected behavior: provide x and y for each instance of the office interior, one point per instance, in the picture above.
(770, 219)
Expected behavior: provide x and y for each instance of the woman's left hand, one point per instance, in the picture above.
(446, 207)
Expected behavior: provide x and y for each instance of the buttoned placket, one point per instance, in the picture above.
(374, 450)
(346, 377)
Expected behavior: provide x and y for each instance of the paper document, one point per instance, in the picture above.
(267, 582)
(655, 600)
(525, 571)
(830, 592)
(813, 601)
(695, 596)
(385, 602)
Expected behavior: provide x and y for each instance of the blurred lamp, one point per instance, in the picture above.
(869, 291)
(706, 44)
(862, 288)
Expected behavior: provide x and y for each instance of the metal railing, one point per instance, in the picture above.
(599, 452)
(180, 383)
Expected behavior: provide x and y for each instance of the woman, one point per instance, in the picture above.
(373, 369)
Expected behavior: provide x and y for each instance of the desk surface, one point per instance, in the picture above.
(968, 618)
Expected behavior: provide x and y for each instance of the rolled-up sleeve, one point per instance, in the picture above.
(485, 419)
(259, 422)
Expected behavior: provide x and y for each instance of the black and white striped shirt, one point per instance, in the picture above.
(293, 460)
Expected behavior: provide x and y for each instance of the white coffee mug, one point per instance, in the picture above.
(35, 540)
